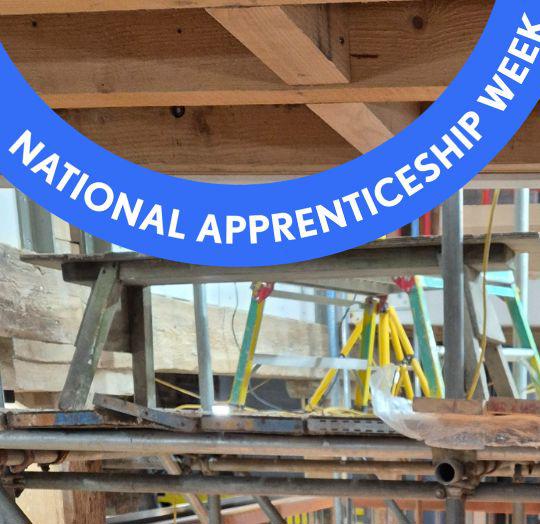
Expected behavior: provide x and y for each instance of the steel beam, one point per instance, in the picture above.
(204, 356)
(454, 299)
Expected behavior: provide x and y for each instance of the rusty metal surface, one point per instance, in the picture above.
(346, 426)
(254, 424)
(65, 419)
(113, 412)
(161, 417)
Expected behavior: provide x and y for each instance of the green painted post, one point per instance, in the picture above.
(429, 357)
(524, 333)
(250, 333)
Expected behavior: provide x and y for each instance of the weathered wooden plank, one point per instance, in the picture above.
(381, 258)
(510, 180)
(473, 295)
(512, 406)
(102, 306)
(185, 58)
(84, 507)
(370, 263)
(527, 242)
(472, 355)
(35, 366)
(495, 362)
(40, 316)
(500, 372)
(435, 405)
(139, 312)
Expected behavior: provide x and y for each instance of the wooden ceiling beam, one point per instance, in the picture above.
(303, 45)
(365, 126)
(307, 45)
(31, 7)
(258, 143)
(184, 57)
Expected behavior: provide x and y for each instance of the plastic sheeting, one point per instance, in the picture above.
(448, 430)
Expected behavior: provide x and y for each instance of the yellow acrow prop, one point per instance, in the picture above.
(409, 352)
(384, 341)
(404, 378)
(369, 321)
(331, 373)
(247, 376)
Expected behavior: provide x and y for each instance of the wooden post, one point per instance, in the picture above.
(139, 314)
(84, 507)
(98, 316)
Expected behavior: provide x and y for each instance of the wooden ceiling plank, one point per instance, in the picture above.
(228, 144)
(30, 7)
(184, 57)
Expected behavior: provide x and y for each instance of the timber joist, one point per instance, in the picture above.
(385, 257)
(270, 91)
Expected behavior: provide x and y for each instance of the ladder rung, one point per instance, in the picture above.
(516, 354)
(309, 362)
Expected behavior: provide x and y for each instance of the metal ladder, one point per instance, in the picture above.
(499, 355)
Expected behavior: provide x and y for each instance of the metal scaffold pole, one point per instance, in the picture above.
(454, 300)
(214, 509)
(454, 326)
(333, 351)
(206, 379)
(455, 510)
(10, 513)
(522, 224)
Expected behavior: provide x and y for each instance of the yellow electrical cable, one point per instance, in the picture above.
(188, 406)
(485, 263)
(177, 388)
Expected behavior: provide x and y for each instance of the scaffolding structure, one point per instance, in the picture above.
(208, 454)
